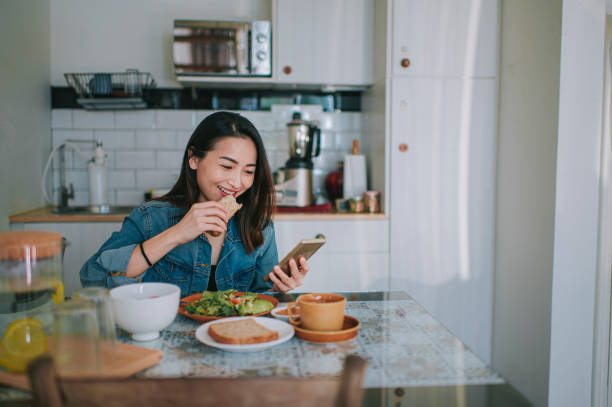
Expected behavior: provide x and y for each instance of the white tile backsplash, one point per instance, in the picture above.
(129, 197)
(116, 139)
(78, 178)
(176, 119)
(169, 160)
(135, 159)
(146, 180)
(155, 139)
(121, 179)
(61, 119)
(343, 140)
(137, 119)
(145, 147)
(60, 136)
(261, 120)
(182, 138)
(85, 119)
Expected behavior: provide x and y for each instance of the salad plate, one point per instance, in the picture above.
(285, 332)
(206, 318)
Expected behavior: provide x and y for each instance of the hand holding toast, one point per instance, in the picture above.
(283, 282)
(202, 217)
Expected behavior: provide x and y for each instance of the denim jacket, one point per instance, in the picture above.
(187, 265)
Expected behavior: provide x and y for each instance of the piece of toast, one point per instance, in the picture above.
(230, 204)
(241, 332)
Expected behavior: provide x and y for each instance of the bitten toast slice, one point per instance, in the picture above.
(230, 204)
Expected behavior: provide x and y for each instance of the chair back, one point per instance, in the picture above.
(52, 391)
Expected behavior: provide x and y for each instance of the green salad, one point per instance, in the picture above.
(227, 303)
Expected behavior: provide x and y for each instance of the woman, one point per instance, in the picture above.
(172, 239)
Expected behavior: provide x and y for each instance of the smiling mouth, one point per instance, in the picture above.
(226, 191)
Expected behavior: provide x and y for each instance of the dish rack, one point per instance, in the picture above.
(111, 90)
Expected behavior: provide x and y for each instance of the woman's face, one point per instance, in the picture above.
(227, 169)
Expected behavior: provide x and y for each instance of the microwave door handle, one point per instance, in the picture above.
(241, 49)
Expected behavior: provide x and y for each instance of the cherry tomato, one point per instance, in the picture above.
(236, 300)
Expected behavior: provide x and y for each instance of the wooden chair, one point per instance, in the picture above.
(52, 391)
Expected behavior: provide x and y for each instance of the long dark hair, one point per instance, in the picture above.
(258, 201)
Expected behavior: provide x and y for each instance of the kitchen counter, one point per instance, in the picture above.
(46, 215)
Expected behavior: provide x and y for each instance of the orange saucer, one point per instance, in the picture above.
(349, 330)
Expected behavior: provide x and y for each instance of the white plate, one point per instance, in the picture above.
(275, 314)
(285, 332)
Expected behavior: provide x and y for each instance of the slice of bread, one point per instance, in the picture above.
(241, 332)
(230, 204)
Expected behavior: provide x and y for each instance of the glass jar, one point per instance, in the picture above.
(31, 283)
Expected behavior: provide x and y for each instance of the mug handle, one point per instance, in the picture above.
(294, 318)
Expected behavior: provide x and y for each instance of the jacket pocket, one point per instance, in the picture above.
(171, 271)
(244, 278)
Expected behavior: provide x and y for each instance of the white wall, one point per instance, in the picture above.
(528, 101)
(114, 35)
(25, 111)
(577, 203)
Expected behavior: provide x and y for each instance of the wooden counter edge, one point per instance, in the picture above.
(45, 215)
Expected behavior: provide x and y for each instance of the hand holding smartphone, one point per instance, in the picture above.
(306, 248)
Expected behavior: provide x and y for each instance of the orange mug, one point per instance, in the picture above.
(318, 311)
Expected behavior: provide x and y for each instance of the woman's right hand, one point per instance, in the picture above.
(209, 216)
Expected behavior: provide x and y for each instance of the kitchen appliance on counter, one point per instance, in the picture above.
(222, 48)
(293, 183)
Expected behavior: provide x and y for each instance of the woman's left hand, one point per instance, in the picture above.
(283, 282)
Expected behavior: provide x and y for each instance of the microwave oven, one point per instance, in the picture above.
(222, 48)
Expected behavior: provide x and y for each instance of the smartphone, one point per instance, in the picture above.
(306, 248)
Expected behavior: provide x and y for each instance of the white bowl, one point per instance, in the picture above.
(144, 309)
(282, 317)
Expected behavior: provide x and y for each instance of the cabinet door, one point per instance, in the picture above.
(445, 37)
(354, 257)
(442, 196)
(337, 272)
(324, 41)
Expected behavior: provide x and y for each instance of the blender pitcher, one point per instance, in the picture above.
(304, 139)
(31, 284)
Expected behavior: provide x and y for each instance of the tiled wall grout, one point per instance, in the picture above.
(145, 147)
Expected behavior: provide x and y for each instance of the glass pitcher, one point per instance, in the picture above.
(31, 283)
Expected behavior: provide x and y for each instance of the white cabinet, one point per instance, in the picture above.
(442, 151)
(442, 200)
(355, 256)
(84, 239)
(444, 37)
(324, 41)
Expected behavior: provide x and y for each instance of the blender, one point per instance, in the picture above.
(293, 183)
(30, 285)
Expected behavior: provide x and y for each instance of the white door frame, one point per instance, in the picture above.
(575, 308)
(602, 389)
